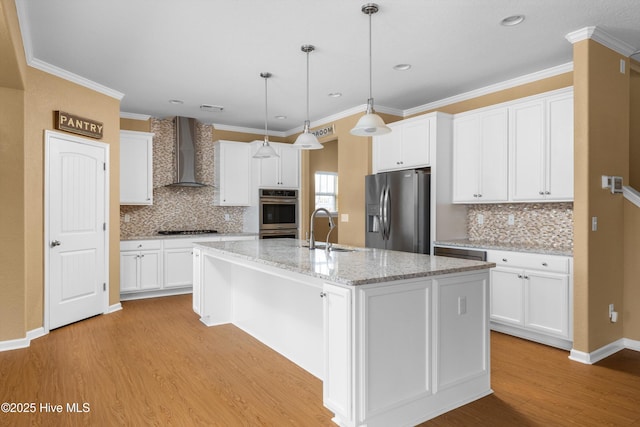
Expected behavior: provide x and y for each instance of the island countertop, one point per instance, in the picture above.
(357, 267)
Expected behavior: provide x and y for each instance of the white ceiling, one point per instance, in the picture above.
(213, 51)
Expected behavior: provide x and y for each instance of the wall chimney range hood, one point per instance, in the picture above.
(186, 153)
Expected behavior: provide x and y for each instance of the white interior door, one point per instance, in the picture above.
(76, 246)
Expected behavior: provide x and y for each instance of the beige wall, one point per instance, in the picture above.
(26, 111)
(325, 160)
(630, 311)
(634, 129)
(135, 125)
(601, 148)
(45, 94)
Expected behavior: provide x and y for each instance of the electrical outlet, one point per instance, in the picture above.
(127, 218)
(480, 219)
(511, 220)
(594, 223)
(227, 217)
(344, 217)
(462, 306)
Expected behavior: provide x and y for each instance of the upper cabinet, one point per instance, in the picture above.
(282, 171)
(480, 143)
(136, 168)
(232, 162)
(406, 147)
(521, 151)
(541, 137)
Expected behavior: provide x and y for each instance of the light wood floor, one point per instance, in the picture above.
(154, 363)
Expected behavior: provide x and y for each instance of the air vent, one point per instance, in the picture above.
(212, 108)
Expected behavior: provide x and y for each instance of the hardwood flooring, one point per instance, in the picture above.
(154, 363)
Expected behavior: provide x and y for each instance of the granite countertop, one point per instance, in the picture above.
(187, 236)
(359, 267)
(514, 247)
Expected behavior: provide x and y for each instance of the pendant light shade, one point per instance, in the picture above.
(370, 124)
(266, 150)
(306, 140)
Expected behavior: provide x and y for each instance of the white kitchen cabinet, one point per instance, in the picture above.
(531, 296)
(161, 267)
(541, 146)
(480, 160)
(140, 266)
(136, 168)
(407, 146)
(232, 173)
(282, 171)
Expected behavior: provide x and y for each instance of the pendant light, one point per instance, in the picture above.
(370, 124)
(265, 151)
(306, 140)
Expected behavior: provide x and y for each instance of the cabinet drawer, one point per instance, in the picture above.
(187, 242)
(558, 264)
(140, 245)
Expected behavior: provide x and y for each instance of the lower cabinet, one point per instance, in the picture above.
(140, 266)
(161, 267)
(531, 297)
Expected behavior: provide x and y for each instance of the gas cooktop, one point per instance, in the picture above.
(185, 232)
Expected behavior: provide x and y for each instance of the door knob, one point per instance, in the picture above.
(55, 243)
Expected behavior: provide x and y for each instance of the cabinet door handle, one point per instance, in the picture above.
(547, 192)
(541, 193)
(526, 277)
(504, 260)
(519, 276)
(323, 294)
(479, 195)
(544, 264)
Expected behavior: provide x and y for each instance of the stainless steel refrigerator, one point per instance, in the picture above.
(398, 211)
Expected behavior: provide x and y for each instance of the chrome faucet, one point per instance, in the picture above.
(312, 240)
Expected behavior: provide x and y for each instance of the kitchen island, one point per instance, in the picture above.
(397, 338)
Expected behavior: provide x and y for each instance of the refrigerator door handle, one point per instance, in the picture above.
(382, 213)
(387, 206)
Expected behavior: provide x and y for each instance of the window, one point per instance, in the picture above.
(327, 191)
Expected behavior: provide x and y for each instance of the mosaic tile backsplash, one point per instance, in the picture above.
(541, 224)
(179, 208)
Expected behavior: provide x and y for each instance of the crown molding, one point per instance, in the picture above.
(507, 84)
(52, 69)
(240, 129)
(74, 78)
(134, 116)
(602, 37)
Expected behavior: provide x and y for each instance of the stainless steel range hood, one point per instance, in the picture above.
(186, 153)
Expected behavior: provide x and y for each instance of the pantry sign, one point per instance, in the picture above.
(70, 123)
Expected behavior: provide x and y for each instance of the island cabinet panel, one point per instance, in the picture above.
(463, 353)
(338, 354)
(396, 340)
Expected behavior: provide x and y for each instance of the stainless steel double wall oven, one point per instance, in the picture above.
(278, 213)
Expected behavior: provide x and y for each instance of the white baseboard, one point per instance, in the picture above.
(22, 342)
(602, 352)
(113, 308)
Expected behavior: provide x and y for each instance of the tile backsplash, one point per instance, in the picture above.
(541, 224)
(176, 208)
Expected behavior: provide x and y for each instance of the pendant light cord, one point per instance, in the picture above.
(266, 115)
(307, 86)
(370, 62)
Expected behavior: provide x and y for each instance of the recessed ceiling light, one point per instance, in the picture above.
(335, 94)
(281, 117)
(402, 67)
(176, 101)
(510, 21)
